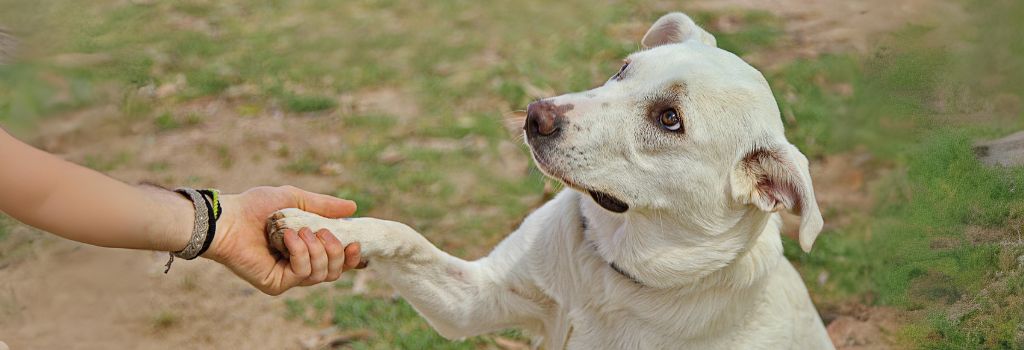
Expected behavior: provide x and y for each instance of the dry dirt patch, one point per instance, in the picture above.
(814, 27)
(83, 297)
(101, 299)
(864, 327)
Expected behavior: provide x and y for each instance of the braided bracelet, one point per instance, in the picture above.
(208, 210)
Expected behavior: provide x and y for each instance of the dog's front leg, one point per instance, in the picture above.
(458, 298)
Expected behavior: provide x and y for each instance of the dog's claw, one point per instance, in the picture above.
(275, 233)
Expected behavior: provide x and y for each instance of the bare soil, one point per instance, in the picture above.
(73, 296)
(815, 27)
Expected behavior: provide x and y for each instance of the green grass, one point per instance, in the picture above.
(755, 30)
(167, 121)
(302, 104)
(307, 163)
(165, 320)
(3, 227)
(106, 162)
(394, 322)
(440, 164)
(916, 252)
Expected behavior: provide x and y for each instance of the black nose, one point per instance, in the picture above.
(543, 118)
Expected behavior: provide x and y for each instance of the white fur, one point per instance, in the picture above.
(701, 236)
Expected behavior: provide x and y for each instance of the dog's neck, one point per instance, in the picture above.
(714, 277)
(658, 251)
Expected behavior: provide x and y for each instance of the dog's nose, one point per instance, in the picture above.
(543, 118)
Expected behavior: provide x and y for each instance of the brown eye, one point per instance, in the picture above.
(670, 120)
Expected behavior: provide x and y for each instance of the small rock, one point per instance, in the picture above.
(7, 46)
(77, 60)
(1007, 151)
(171, 88)
(242, 90)
(391, 155)
(149, 91)
(331, 168)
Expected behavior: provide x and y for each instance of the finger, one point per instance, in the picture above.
(335, 254)
(351, 256)
(298, 258)
(323, 205)
(317, 257)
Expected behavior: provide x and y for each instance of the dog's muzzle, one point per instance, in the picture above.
(544, 124)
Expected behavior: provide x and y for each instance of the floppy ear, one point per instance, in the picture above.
(675, 28)
(777, 177)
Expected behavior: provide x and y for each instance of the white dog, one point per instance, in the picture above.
(668, 237)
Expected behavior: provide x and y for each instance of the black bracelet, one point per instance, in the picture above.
(212, 201)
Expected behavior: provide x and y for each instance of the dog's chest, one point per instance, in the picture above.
(599, 307)
(604, 309)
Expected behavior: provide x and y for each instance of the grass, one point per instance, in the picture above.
(755, 30)
(301, 104)
(437, 156)
(307, 163)
(919, 251)
(165, 320)
(394, 322)
(4, 231)
(106, 162)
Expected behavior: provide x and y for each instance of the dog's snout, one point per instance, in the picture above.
(541, 120)
(544, 118)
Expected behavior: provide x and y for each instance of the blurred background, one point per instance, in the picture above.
(400, 106)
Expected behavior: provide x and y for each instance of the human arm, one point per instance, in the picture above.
(81, 204)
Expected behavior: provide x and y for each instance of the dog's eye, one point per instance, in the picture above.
(670, 120)
(618, 76)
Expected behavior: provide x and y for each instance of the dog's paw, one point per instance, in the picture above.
(289, 219)
(377, 238)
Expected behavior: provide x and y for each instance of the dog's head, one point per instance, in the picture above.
(683, 128)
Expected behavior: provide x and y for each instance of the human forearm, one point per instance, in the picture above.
(80, 204)
(83, 205)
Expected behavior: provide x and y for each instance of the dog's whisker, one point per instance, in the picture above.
(514, 122)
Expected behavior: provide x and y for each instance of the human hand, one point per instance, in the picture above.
(241, 243)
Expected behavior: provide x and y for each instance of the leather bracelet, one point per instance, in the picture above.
(208, 210)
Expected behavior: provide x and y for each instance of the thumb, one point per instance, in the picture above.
(324, 205)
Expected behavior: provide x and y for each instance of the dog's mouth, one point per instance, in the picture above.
(605, 200)
(608, 201)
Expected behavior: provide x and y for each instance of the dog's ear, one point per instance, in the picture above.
(675, 28)
(777, 177)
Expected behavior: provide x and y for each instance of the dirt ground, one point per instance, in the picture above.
(70, 296)
(816, 27)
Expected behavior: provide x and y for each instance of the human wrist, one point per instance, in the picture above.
(225, 225)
